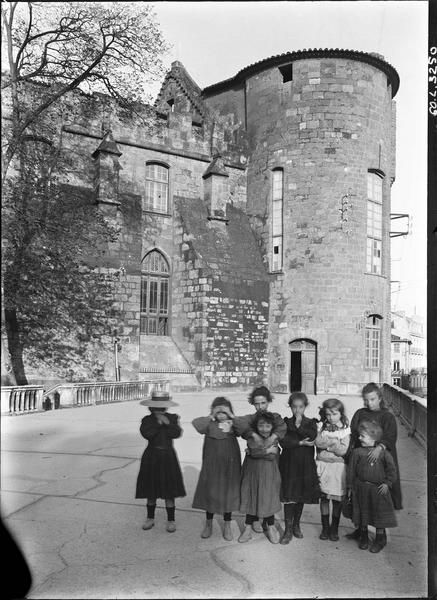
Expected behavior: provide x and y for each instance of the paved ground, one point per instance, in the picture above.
(68, 481)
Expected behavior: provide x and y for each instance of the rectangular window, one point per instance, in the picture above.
(396, 365)
(156, 188)
(277, 204)
(374, 224)
(372, 348)
(396, 347)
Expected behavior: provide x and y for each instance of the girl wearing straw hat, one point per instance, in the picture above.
(160, 475)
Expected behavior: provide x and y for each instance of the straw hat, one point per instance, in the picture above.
(159, 399)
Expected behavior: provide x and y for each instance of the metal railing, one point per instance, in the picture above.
(410, 409)
(20, 399)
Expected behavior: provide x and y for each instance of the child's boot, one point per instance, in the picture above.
(296, 520)
(246, 534)
(325, 528)
(272, 534)
(363, 543)
(148, 524)
(227, 532)
(207, 530)
(257, 527)
(288, 518)
(378, 543)
(333, 530)
(171, 526)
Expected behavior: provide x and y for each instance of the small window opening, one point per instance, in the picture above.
(171, 104)
(276, 250)
(286, 72)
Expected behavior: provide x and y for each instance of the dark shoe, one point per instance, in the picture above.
(364, 540)
(333, 530)
(288, 533)
(325, 528)
(378, 544)
(355, 535)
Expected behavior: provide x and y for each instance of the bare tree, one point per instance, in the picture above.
(114, 47)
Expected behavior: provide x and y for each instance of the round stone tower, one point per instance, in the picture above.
(321, 132)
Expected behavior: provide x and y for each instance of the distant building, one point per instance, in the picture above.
(408, 342)
(255, 220)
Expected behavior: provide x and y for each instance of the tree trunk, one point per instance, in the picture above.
(15, 346)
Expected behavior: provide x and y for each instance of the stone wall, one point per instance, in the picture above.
(325, 128)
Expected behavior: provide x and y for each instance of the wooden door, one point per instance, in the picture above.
(309, 370)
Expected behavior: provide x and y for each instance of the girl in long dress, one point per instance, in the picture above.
(218, 487)
(375, 410)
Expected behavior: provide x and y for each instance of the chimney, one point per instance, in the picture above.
(216, 189)
(107, 168)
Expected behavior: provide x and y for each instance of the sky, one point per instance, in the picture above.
(214, 40)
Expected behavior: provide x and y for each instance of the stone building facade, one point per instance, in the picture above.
(254, 222)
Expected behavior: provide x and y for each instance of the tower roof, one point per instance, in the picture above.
(372, 58)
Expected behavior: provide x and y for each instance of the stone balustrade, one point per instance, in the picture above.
(20, 399)
(411, 410)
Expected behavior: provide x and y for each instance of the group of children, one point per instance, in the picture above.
(294, 461)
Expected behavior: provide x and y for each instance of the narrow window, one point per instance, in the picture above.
(286, 72)
(373, 342)
(171, 104)
(396, 347)
(277, 202)
(156, 196)
(374, 223)
(155, 286)
(396, 365)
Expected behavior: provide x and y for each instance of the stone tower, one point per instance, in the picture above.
(321, 132)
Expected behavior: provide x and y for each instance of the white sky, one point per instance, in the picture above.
(214, 40)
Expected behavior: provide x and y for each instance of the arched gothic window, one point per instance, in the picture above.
(155, 285)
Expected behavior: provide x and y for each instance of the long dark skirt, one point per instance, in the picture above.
(160, 475)
(218, 488)
(371, 508)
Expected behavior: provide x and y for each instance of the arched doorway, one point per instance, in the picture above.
(303, 365)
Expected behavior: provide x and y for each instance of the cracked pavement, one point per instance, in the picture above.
(68, 486)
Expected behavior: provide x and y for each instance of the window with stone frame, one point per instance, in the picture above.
(155, 289)
(374, 223)
(373, 342)
(277, 205)
(156, 192)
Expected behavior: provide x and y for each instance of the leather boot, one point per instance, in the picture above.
(333, 530)
(297, 532)
(289, 510)
(227, 532)
(355, 535)
(378, 544)
(288, 533)
(325, 528)
(207, 530)
(246, 534)
(364, 539)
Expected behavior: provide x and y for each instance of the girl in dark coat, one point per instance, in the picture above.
(370, 483)
(160, 475)
(218, 488)
(375, 410)
(300, 483)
